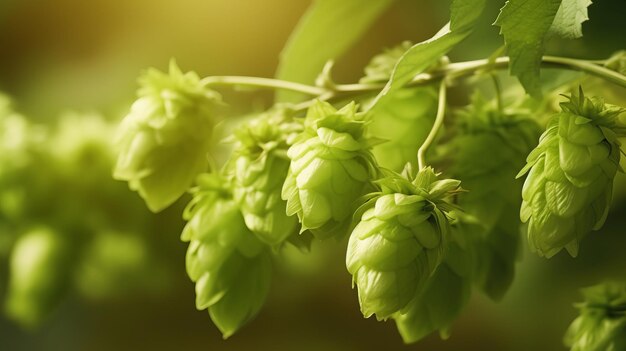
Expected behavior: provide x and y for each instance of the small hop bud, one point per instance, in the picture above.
(569, 186)
(166, 135)
(40, 267)
(331, 166)
(260, 168)
(601, 325)
(617, 62)
(381, 66)
(230, 266)
(399, 241)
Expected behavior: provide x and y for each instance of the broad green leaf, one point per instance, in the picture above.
(569, 18)
(464, 13)
(326, 31)
(524, 25)
(423, 55)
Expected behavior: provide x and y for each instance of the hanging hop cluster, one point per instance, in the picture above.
(331, 167)
(165, 137)
(260, 167)
(493, 198)
(230, 266)
(569, 186)
(399, 240)
(601, 325)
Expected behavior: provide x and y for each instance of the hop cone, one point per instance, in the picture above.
(568, 190)
(165, 137)
(493, 196)
(445, 294)
(380, 68)
(399, 241)
(40, 266)
(261, 166)
(331, 165)
(230, 266)
(404, 120)
(601, 325)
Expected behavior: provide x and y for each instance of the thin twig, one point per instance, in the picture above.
(441, 112)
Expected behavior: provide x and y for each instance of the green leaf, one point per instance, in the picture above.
(464, 13)
(423, 55)
(569, 18)
(326, 31)
(524, 25)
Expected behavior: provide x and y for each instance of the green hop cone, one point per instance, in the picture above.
(445, 294)
(381, 66)
(230, 266)
(601, 325)
(166, 135)
(260, 168)
(569, 186)
(404, 119)
(40, 267)
(493, 198)
(331, 167)
(399, 241)
(617, 62)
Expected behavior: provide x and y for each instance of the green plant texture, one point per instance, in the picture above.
(434, 173)
(356, 160)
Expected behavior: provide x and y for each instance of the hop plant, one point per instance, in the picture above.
(601, 325)
(260, 168)
(166, 135)
(399, 240)
(569, 186)
(331, 165)
(493, 198)
(40, 267)
(445, 294)
(230, 266)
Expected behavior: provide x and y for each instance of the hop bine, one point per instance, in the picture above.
(399, 241)
(493, 198)
(569, 186)
(166, 136)
(230, 266)
(601, 325)
(331, 165)
(260, 168)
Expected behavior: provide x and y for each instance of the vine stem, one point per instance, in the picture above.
(449, 71)
(258, 82)
(441, 112)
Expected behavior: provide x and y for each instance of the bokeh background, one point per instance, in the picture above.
(84, 56)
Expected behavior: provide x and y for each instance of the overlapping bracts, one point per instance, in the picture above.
(165, 137)
(399, 240)
(331, 167)
(230, 266)
(260, 168)
(570, 175)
